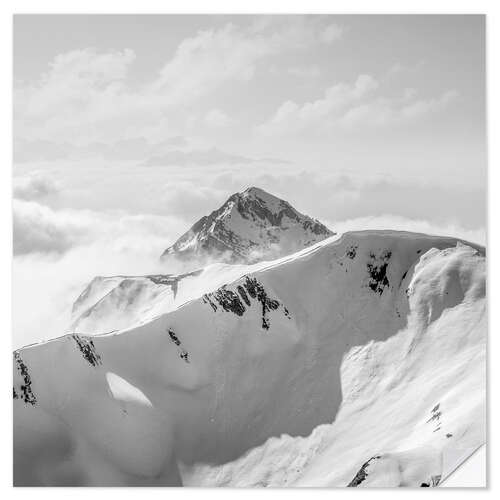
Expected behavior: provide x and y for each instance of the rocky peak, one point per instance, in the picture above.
(250, 226)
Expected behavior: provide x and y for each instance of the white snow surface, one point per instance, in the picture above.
(359, 360)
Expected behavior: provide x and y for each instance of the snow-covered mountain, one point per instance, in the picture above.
(117, 302)
(250, 226)
(358, 361)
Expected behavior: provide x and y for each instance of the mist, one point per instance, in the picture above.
(46, 283)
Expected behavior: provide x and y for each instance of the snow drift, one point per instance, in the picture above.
(359, 361)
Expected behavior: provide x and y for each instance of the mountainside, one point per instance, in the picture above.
(115, 302)
(359, 361)
(250, 226)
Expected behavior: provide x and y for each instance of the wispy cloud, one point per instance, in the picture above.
(86, 95)
(383, 111)
(39, 229)
(206, 158)
(35, 186)
(352, 105)
(306, 72)
(418, 225)
(218, 118)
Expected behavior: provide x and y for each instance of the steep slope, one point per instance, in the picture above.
(413, 406)
(347, 347)
(249, 226)
(115, 302)
(118, 302)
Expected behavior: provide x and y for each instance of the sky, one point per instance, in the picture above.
(128, 128)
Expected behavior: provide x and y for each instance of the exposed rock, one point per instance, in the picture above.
(26, 391)
(377, 271)
(250, 289)
(362, 474)
(250, 226)
(88, 350)
(351, 251)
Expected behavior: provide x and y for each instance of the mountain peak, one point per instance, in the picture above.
(251, 225)
(255, 191)
(262, 196)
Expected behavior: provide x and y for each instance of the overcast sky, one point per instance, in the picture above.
(398, 98)
(345, 116)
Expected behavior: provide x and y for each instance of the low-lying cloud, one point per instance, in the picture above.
(397, 223)
(329, 196)
(38, 228)
(57, 253)
(46, 284)
(34, 186)
(58, 250)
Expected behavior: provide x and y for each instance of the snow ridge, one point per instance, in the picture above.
(289, 373)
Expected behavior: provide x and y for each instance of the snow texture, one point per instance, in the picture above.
(358, 361)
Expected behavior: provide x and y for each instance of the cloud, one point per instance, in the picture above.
(174, 151)
(305, 71)
(211, 156)
(75, 79)
(45, 286)
(32, 150)
(81, 86)
(204, 157)
(293, 118)
(386, 111)
(212, 57)
(136, 148)
(330, 196)
(218, 119)
(41, 229)
(399, 68)
(352, 105)
(189, 201)
(58, 252)
(331, 33)
(231, 53)
(38, 228)
(398, 223)
(34, 186)
(87, 96)
(177, 140)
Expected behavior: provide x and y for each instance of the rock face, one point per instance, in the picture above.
(289, 373)
(250, 226)
(362, 474)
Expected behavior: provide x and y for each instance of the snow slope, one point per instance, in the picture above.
(250, 226)
(359, 361)
(117, 302)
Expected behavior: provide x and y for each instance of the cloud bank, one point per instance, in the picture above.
(59, 250)
(345, 106)
(88, 96)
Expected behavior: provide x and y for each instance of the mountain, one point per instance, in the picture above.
(116, 302)
(250, 226)
(358, 361)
